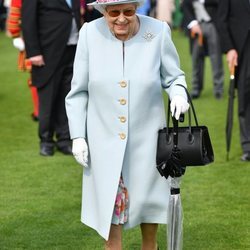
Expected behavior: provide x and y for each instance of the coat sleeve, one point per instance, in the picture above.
(223, 26)
(30, 27)
(171, 73)
(14, 19)
(77, 98)
(188, 11)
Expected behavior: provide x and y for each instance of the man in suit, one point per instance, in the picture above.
(234, 27)
(200, 20)
(50, 30)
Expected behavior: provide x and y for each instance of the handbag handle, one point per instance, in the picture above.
(191, 104)
(175, 122)
(189, 112)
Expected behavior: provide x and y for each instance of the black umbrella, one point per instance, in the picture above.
(173, 166)
(174, 169)
(230, 111)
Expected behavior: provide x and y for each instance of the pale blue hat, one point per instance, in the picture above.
(100, 5)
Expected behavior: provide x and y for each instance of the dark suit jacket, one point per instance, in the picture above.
(234, 24)
(93, 14)
(46, 26)
(211, 7)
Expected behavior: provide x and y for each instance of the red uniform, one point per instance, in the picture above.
(14, 28)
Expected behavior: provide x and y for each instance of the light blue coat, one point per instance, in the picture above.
(116, 103)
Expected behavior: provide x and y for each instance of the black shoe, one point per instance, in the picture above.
(195, 94)
(67, 150)
(245, 156)
(218, 96)
(46, 150)
(34, 117)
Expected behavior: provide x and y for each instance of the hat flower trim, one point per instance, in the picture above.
(107, 1)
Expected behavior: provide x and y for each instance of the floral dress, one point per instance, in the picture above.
(121, 204)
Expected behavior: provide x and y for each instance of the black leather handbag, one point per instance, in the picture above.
(193, 142)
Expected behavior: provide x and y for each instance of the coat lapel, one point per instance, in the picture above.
(64, 3)
(73, 4)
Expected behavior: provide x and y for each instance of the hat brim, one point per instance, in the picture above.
(101, 6)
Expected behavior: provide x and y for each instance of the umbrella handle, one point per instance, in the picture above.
(232, 72)
(175, 132)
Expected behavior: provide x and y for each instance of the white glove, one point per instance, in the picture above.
(80, 151)
(18, 43)
(178, 106)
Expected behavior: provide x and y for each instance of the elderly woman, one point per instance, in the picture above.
(115, 109)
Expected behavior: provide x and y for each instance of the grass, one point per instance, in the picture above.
(40, 197)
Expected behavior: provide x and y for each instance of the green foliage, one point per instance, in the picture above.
(40, 198)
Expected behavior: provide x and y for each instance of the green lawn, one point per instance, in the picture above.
(40, 198)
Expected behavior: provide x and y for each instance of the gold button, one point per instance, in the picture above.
(122, 119)
(123, 84)
(122, 136)
(123, 101)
